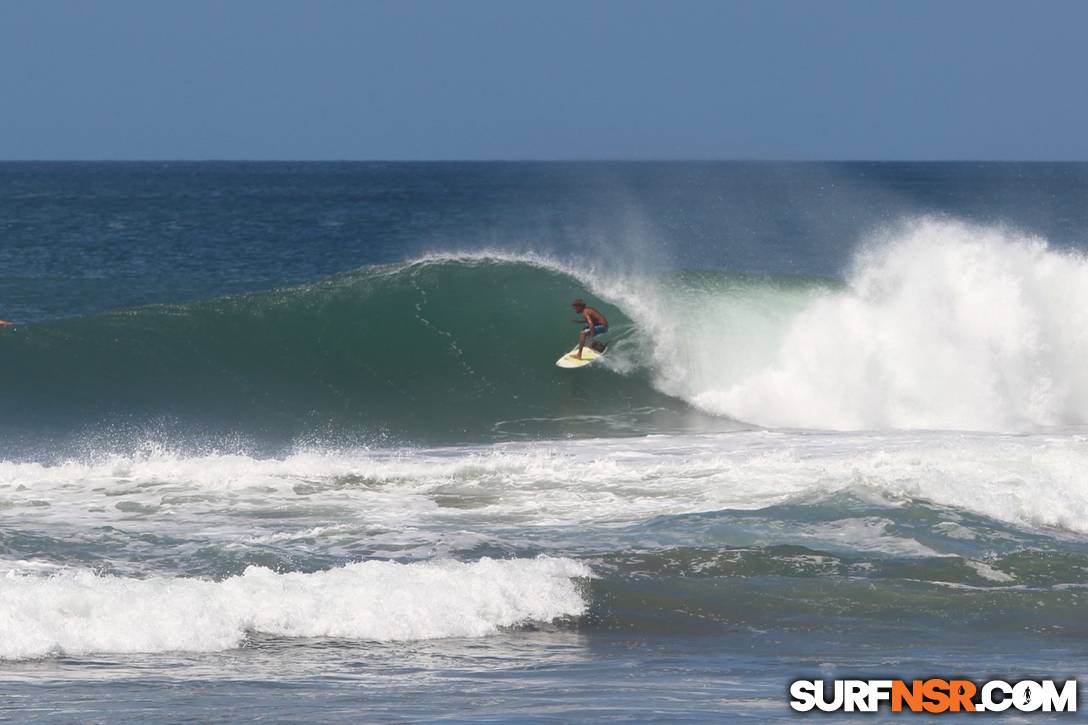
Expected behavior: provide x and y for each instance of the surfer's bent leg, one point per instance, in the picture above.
(582, 341)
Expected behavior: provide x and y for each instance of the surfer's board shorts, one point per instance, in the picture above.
(597, 329)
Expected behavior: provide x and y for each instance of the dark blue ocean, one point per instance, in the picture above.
(286, 441)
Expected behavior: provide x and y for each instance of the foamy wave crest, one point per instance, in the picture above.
(79, 612)
(943, 325)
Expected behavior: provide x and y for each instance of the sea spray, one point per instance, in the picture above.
(941, 325)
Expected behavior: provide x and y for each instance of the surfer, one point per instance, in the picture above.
(5, 323)
(595, 324)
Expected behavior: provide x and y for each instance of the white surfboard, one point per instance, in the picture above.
(570, 361)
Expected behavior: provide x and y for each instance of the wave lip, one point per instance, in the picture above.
(81, 612)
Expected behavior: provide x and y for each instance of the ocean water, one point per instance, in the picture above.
(285, 441)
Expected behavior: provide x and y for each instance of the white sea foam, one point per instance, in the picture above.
(860, 534)
(406, 497)
(80, 612)
(986, 571)
(941, 325)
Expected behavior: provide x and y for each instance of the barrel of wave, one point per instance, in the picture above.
(463, 340)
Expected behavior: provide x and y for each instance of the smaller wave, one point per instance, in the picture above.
(81, 612)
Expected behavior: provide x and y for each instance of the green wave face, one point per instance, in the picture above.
(431, 350)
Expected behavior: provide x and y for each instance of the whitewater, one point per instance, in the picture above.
(850, 447)
(939, 324)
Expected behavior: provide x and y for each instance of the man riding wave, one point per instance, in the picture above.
(595, 324)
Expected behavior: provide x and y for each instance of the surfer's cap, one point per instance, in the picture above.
(578, 303)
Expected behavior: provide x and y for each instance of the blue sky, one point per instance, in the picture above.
(593, 79)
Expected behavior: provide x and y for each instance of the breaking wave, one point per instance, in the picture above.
(938, 325)
(79, 612)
